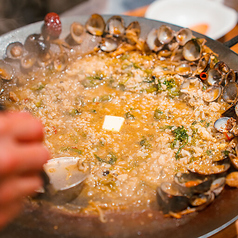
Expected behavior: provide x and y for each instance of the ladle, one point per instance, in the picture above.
(63, 181)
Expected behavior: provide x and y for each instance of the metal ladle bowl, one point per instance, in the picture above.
(63, 181)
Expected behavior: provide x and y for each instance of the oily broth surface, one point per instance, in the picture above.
(126, 166)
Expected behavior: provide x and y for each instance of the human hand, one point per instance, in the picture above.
(22, 155)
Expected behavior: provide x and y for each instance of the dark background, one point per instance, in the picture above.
(16, 13)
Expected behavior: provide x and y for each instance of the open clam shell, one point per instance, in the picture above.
(203, 64)
(201, 201)
(190, 183)
(60, 62)
(170, 198)
(35, 44)
(234, 160)
(218, 185)
(224, 124)
(28, 61)
(77, 32)
(45, 59)
(190, 84)
(183, 69)
(115, 26)
(152, 41)
(6, 71)
(183, 36)
(15, 50)
(230, 77)
(230, 92)
(192, 50)
(212, 93)
(231, 111)
(165, 34)
(222, 67)
(95, 25)
(133, 32)
(214, 77)
(108, 44)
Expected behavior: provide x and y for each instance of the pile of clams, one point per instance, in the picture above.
(189, 56)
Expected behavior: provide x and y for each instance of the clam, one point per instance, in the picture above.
(109, 44)
(77, 32)
(218, 185)
(214, 77)
(212, 93)
(115, 26)
(230, 77)
(165, 34)
(173, 45)
(192, 50)
(6, 71)
(222, 67)
(177, 55)
(183, 36)
(153, 42)
(230, 92)
(165, 53)
(15, 50)
(190, 183)
(35, 44)
(201, 201)
(234, 160)
(183, 69)
(232, 179)
(190, 84)
(28, 60)
(45, 59)
(231, 111)
(170, 198)
(202, 63)
(30, 42)
(95, 25)
(224, 124)
(133, 32)
(60, 62)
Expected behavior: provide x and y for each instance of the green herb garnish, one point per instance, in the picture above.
(111, 159)
(72, 149)
(169, 83)
(145, 143)
(166, 127)
(129, 116)
(158, 114)
(181, 135)
(226, 152)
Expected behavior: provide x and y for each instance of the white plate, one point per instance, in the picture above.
(213, 16)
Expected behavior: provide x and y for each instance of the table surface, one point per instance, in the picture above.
(232, 230)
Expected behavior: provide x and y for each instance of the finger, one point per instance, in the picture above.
(18, 187)
(23, 158)
(24, 127)
(9, 212)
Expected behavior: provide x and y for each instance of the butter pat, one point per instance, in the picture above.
(113, 123)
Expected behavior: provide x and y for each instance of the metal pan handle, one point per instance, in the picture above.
(232, 42)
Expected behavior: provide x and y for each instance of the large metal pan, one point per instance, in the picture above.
(41, 220)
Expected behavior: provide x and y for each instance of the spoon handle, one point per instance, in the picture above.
(45, 179)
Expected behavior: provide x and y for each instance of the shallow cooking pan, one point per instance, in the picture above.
(40, 220)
